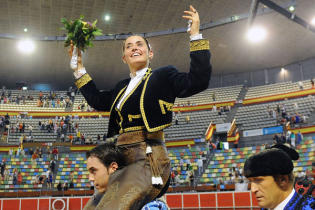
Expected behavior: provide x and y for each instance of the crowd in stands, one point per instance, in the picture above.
(288, 137)
(84, 107)
(48, 100)
(282, 116)
(53, 100)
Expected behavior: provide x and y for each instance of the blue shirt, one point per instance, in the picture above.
(155, 205)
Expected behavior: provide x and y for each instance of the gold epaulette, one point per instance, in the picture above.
(201, 44)
(83, 80)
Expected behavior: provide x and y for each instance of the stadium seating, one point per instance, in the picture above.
(274, 89)
(223, 94)
(28, 170)
(189, 156)
(91, 127)
(196, 128)
(76, 163)
(221, 165)
(30, 105)
(306, 151)
(257, 116)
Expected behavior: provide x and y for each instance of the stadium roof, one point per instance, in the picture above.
(286, 42)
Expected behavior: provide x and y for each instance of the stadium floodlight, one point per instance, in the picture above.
(107, 18)
(26, 46)
(313, 21)
(256, 34)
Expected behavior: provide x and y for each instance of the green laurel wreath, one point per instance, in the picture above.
(81, 33)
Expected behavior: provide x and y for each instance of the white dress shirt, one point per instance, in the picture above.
(285, 201)
(132, 84)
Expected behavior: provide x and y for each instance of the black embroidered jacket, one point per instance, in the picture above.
(149, 105)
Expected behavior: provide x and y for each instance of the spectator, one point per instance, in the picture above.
(49, 179)
(6, 174)
(15, 174)
(10, 152)
(30, 128)
(301, 174)
(19, 178)
(181, 164)
(71, 185)
(213, 96)
(292, 139)
(173, 178)
(200, 166)
(34, 157)
(31, 151)
(178, 181)
(176, 119)
(300, 83)
(66, 187)
(2, 167)
(55, 152)
(52, 165)
(312, 83)
(59, 186)
(214, 108)
(190, 178)
(299, 138)
(70, 138)
(187, 119)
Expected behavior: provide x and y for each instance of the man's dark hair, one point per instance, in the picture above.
(108, 153)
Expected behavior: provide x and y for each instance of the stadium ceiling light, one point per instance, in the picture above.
(25, 29)
(107, 18)
(26, 46)
(291, 8)
(313, 21)
(256, 34)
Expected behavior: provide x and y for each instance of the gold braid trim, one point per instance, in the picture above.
(83, 80)
(201, 44)
(143, 112)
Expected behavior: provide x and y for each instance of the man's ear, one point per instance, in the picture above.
(113, 167)
(283, 181)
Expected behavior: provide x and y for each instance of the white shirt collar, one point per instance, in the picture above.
(285, 201)
(139, 73)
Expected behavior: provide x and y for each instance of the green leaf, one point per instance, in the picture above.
(94, 23)
(97, 33)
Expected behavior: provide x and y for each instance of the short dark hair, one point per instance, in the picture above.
(146, 41)
(108, 153)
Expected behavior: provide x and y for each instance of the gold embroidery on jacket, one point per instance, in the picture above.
(143, 112)
(167, 105)
(201, 44)
(120, 92)
(135, 116)
(83, 80)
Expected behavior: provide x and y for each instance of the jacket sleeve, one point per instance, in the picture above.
(99, 100)
(198, 77)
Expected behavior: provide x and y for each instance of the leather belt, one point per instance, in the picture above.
(138, 136)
